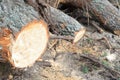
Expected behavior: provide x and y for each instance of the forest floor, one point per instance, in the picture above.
(63, 60)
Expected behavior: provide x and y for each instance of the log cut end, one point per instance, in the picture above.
(29, 44)
(79, 35)
(117, 32)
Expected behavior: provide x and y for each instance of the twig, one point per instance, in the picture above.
(52, 36)
(62, 37)
(114, 74)
(45, 63)
(56, 41)
(108, 43)
(97, 27)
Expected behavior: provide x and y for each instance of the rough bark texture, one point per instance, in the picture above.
(106, 13)
(66, 24)
(15, 13)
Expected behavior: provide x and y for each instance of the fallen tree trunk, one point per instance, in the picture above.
(106, 13)
(66, 25)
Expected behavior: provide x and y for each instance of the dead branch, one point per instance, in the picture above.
(107, 41)
(52, 36)
(115, 74)
(97, 27)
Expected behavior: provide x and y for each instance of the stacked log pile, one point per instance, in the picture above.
(26, 26)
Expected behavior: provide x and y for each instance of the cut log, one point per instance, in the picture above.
(63, 24)
(67, 25)
(106, 13)
(29, 45)
(15, 14)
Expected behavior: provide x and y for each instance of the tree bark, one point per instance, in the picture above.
(66, 25)
(106, 13)
(15, 14)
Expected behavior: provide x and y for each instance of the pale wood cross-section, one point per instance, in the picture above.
(29, 44)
